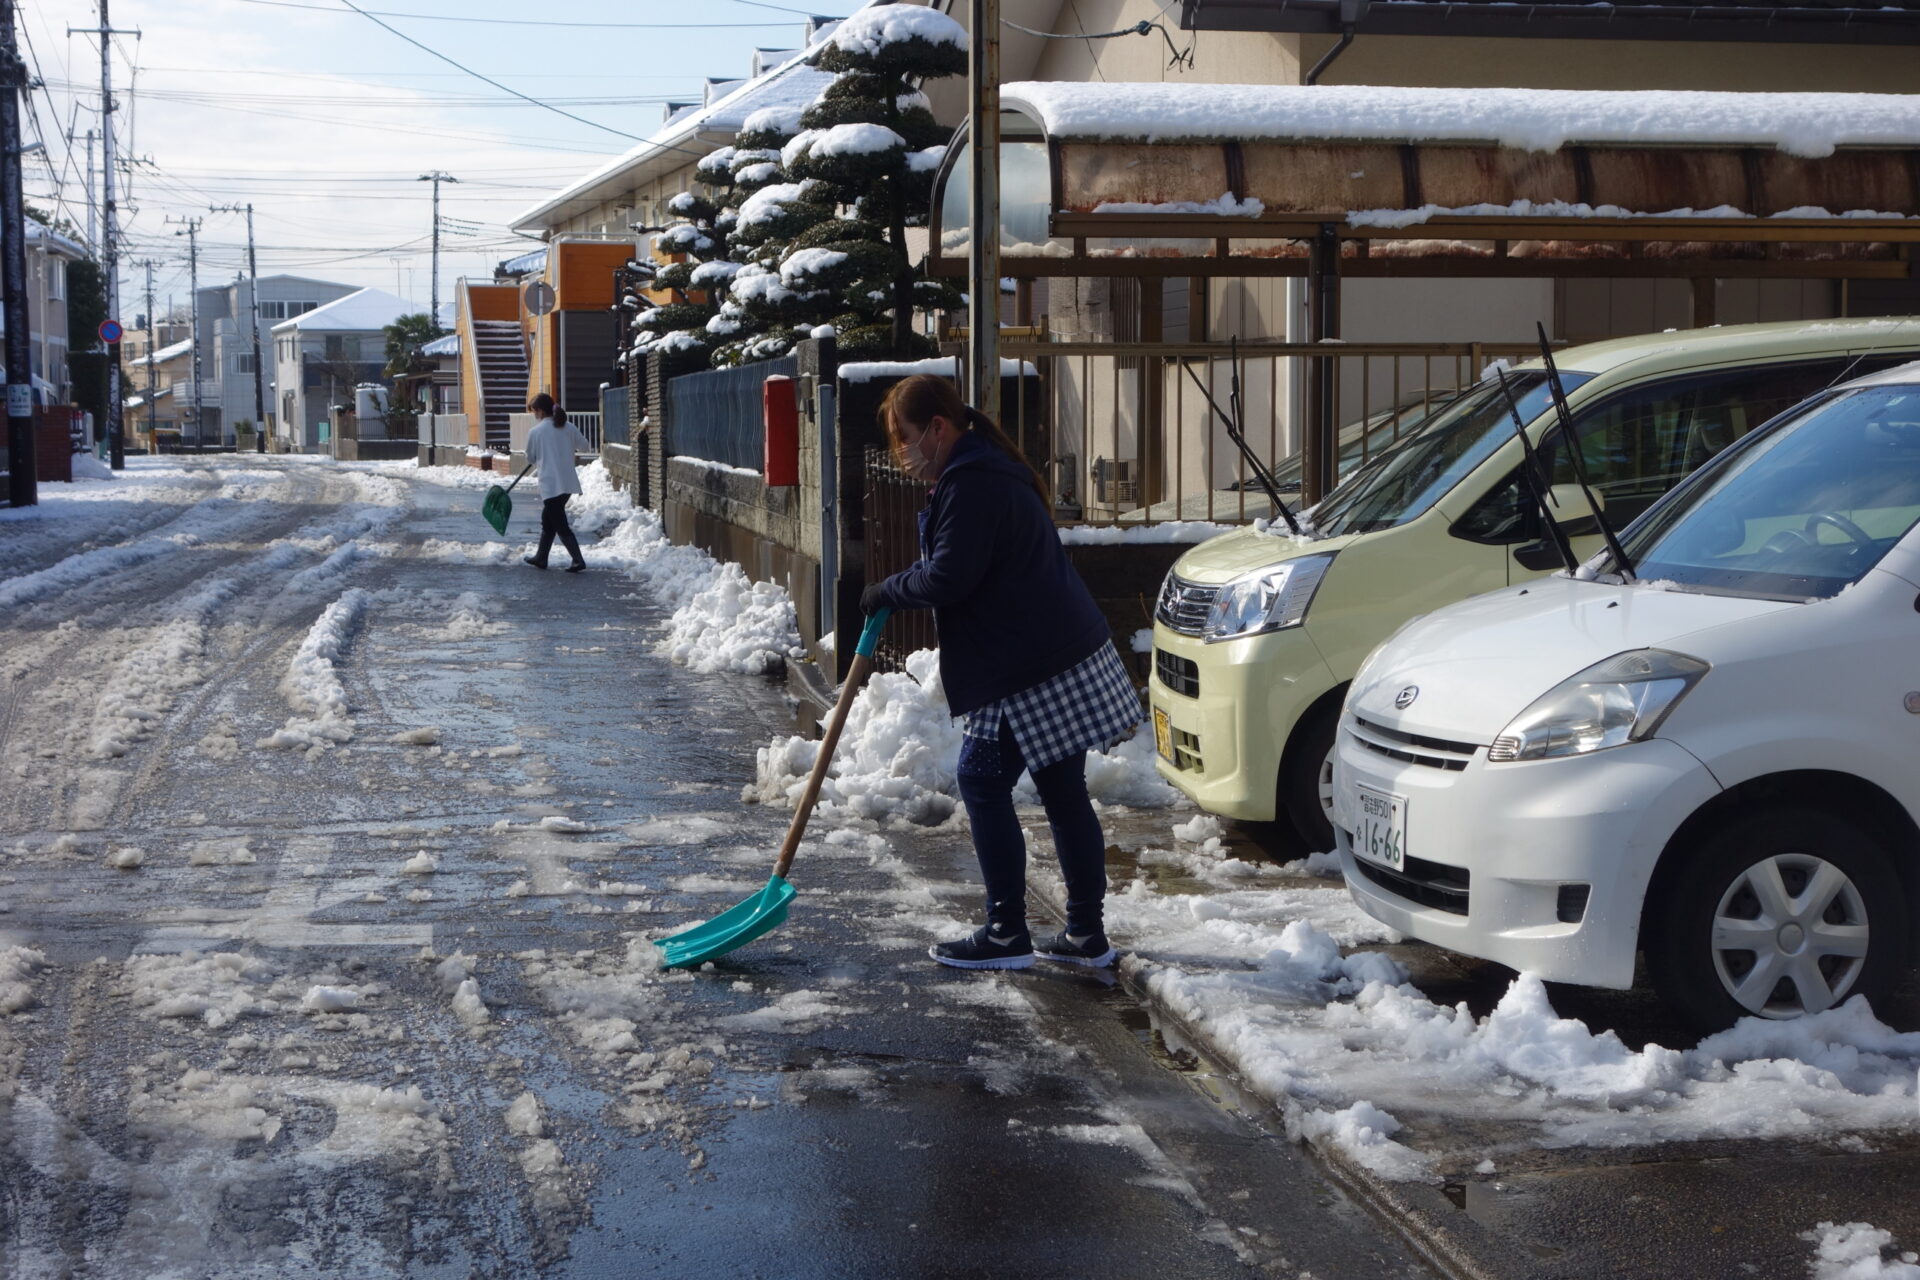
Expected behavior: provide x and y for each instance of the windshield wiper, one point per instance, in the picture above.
(1232, 420)
(1614, 549)
(1536, 481)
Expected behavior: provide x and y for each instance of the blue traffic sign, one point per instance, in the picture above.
(110, 331)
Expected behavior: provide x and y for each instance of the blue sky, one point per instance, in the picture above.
(324, 120)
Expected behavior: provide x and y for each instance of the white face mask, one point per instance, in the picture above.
(928, 460)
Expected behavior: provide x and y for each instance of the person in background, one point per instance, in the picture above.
(550, 447)
(1025, 655)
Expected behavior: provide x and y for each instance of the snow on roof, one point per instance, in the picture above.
(49, 239)
(1802, 124)
(449, 345)
(365, 309)
(165, 354)
(792, 85)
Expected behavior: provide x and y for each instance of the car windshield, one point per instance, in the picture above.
(1800, 513)
(1364, 440)
(1402, 482)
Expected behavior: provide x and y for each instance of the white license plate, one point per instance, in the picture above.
(1380, 826)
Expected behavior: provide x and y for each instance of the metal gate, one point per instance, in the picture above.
(894, 500)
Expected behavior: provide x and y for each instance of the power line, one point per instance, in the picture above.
(530, 22)
(476, 75)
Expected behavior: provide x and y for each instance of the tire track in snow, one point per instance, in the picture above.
(312, 683)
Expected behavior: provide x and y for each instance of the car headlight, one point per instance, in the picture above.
(1270, 600)
(1622, 699)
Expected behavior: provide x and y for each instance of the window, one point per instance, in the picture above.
(56, 279)
(1641, 442)
(243, 362)
(337, 347)
(281, 309)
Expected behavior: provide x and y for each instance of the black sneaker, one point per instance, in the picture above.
(578, 566)
(1092, 952)
(981, 949)
(538, 564)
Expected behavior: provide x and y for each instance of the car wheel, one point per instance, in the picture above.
(1778, 914)
(1306, 784)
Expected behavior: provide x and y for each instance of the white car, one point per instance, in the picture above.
(1716, 764)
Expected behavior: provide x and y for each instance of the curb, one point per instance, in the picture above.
(1386, 1202)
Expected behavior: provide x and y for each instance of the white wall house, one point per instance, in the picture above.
(226, 347)
(321, 355)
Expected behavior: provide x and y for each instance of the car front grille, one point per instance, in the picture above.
(1184, 605)
(1411, 748)
(1180, 675)
(1430, 884)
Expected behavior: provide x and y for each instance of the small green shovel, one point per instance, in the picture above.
(497, 505)
(767, 909)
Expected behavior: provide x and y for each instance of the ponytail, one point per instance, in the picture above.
(544, 406)
(559, 416)
(924, 396)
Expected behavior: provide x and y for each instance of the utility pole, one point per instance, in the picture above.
(191, 230)
(93, 210)
(253, 292)
(436, 178)
(153, 366)
(22, 489)
(983, 213)
(110, 234)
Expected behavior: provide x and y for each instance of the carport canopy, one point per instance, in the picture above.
(1161, 179)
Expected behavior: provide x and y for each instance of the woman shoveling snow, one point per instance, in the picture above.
(1025, 655)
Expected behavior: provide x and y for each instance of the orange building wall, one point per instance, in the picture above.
(478, 302)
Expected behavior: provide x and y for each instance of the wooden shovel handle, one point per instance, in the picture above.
(856, 677)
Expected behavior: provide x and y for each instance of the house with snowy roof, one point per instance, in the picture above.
(48, 253)
(225, 314)
(322, 354)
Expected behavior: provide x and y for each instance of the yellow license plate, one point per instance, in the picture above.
(1163, 735)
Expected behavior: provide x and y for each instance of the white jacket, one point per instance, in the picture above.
(550, 449)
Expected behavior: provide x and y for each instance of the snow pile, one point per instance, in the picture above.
(17, 965)
(312, 682)
(840, 140)
(1856, 1251)
(898, 750)
(1166, 531)
(1802, 124)
(321, 998)
(1365, 1133)
(153, 674)
(215, 988)
(721, 620)
(421, 863)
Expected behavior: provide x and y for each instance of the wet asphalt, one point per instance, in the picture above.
(824, 1103)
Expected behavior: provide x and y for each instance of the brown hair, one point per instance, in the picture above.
(544, 406)
(925, 396)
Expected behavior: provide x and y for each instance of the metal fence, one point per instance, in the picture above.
(613, 414)
(719, 416)
(893, 502)
(588, 425)
(1136, 432)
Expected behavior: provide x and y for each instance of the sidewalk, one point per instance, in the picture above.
(1501, 1140)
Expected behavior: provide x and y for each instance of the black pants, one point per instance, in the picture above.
(553, 519)
(1001, 846)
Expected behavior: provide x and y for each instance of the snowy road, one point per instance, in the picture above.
(332, 841)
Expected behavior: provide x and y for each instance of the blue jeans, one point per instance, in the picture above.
(986, 787)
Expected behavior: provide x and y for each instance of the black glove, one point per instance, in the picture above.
(872, 600)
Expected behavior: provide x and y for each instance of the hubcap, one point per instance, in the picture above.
(1790, 936)
(1323, 787)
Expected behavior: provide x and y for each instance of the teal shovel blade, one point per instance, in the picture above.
(734, 927)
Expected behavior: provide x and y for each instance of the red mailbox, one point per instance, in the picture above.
(782, 458)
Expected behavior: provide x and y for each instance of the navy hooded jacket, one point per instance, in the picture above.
(1009, 607)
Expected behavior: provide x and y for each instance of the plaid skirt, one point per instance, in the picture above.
(1088, 707)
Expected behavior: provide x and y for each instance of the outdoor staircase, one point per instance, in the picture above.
(500, 356)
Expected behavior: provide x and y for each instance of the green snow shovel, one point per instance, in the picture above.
(767, 909)
(498, 505)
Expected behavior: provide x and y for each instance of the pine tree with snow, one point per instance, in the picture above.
(681, 328)
(763, 318)
(869, 147)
